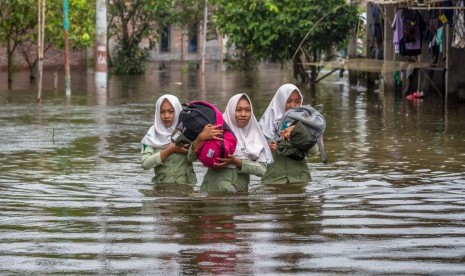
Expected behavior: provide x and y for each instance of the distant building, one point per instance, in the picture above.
(174, 45)
(181, 45)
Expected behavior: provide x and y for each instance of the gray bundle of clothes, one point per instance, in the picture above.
(308, 131)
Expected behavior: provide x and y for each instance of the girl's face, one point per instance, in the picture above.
(293, 100)
(243, 112)
(166, 113)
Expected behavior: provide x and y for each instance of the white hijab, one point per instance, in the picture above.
(275, 111)
(251, 144)
(159, 136)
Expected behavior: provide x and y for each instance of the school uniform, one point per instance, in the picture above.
(287, 170)
(284, 169)
(252, 148)
(175, 168)
(229, 179)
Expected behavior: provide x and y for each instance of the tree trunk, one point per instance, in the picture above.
(314, 72)
(9, 62)
(352, 47)
(299, 69)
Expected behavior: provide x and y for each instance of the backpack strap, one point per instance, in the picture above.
(321, 147)
(222, 149)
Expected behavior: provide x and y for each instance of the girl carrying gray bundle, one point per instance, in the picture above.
(286, 168)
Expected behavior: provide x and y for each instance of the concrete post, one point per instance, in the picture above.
(101, 37)
(388, 75)
(100, 56)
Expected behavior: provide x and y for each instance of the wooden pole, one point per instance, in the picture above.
(446, 69)
(55, 81)
(40, 45)
(67, 67)
(221, 48)
(388, 49)
(205, 16)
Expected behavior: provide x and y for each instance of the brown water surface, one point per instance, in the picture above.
(75, 200)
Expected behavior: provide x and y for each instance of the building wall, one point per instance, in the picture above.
(53, 58)
(178, 51)
(179, 47)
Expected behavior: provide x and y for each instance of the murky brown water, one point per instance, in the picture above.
(75, 200)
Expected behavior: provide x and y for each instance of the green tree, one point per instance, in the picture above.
(131, 23)
(136, 26)
(81, 31)
(273, 30)
(18, 28)
(17, 19)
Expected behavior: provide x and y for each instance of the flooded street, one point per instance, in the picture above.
(76, 201)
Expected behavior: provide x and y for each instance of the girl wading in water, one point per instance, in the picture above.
(284, 169)
(252, 154)
(168, 159)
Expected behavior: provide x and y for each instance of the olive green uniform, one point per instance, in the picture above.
(287, 170)
(229, 179)
(174, 169)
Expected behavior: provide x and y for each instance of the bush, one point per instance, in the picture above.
(129, 59)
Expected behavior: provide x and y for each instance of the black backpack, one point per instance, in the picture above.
(192, 118)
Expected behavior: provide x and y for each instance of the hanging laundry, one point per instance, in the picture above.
(376, 23)
(439, 17)
(408, 26)
(433, 48)
(447, 15)
(439, 38)
(434, 18)
(458, 38)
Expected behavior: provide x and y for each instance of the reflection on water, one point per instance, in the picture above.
(76, 201)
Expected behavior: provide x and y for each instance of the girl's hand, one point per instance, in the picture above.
(273, 146)
(210, 132)
(229, 160)
(181, 148)
(173, 148)
(286, 134)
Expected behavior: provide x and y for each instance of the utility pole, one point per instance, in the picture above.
(101, 37)
(101, 46)
(66, 27)
(205, 16)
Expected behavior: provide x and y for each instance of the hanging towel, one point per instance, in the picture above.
(458, 40)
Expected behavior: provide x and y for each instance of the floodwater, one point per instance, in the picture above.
(75, 200)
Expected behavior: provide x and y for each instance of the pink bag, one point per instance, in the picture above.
(209, 151)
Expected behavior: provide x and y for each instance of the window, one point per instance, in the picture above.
(193, 38)
(165, 39)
